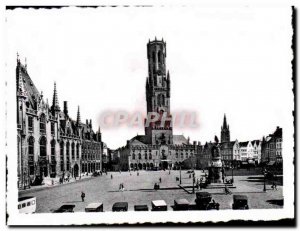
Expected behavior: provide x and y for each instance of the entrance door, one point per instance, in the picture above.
(76, 170)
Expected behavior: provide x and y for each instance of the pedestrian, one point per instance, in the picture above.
(82, 196)
(223, 178)
(160, 180)
(138, 174)
(111, 176)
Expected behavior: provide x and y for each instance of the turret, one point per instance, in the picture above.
(55, 105)
(78, 120)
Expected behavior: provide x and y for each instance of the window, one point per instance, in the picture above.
(77, 151)
(62, 156)
(31, 155)
(68, 155)
(146, 156)
(42, 123)
(176, 154)
(53, 151)
(140, 156)
(133, 156)
(52, 128)
(150, 156)
(43, 142)
(30, 123)
(73, 151)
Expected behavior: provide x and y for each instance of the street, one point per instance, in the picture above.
(139, 190)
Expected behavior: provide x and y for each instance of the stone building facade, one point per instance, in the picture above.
(159, 147)
(272, 148)
(50, 143)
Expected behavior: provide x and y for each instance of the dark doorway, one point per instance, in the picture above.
(76, 170)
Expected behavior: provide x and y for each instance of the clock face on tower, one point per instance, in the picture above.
(159, 72)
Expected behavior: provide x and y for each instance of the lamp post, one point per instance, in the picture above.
(232, 172)
(180, 174)
(193, 184)
(264, 172)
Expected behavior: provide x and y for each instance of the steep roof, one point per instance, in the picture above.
(179, 140)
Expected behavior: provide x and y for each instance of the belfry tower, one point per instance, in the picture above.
(158, 94)
(225, 132)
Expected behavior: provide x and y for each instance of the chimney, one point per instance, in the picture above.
(194, 143)
(66, 107)
(127, 144)
(90, 123)
(87, 122)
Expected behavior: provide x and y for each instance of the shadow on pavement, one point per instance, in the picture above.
(276, 202)
(148, 190)
(71, 201)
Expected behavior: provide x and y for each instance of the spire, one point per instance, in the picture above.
(78, 117)
(224, 122)
(168, 76)
(18, 58)
(55, 105)
(99, 131)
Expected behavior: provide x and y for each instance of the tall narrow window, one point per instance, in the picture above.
(73, 151)
(31, 155)
(77, 151)
(62, 168)
(68, 155)
(43, 149)
(30, 123)
(53, 151)
(42, 123)
(52, 128)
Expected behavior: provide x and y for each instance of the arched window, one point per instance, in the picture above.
(150, 156)
(31, 155)
(153, 56)
(73, 151)
(159, 56)
(42, 123)
(133, 156)
(140, 156)
(62, 168)
(68, 155)
(146, 156)
(43, 143)
(77, 151)
(52, 150)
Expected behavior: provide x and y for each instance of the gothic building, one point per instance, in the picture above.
(50, 143)
(225, 132)
(159, 147)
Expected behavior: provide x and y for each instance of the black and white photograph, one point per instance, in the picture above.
(127, 114)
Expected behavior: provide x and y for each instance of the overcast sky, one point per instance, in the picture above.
(221, 60)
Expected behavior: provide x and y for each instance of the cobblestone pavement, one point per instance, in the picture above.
(139, 190)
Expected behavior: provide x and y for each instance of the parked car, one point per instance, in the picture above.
(141, 208)
(159, 205)
(120, 207)
(181, 204)
(27, 204)
(204, 201)
(240, 202)
(94, 207)
(65, 209)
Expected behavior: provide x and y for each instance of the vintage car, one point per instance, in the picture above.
(120, 207)
(203, 201)
(181, 204)
(27, 204)
(94, 207)
(141, 208)
(65, 209)
(159, 205)
(240, 202)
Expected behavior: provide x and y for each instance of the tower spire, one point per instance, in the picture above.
(78, 117)
(224, 122)
(55, 105)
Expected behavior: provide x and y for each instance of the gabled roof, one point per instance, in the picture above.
(179, 140)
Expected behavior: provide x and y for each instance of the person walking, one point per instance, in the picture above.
(111, 176)
(160, 180)
(82, 196)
